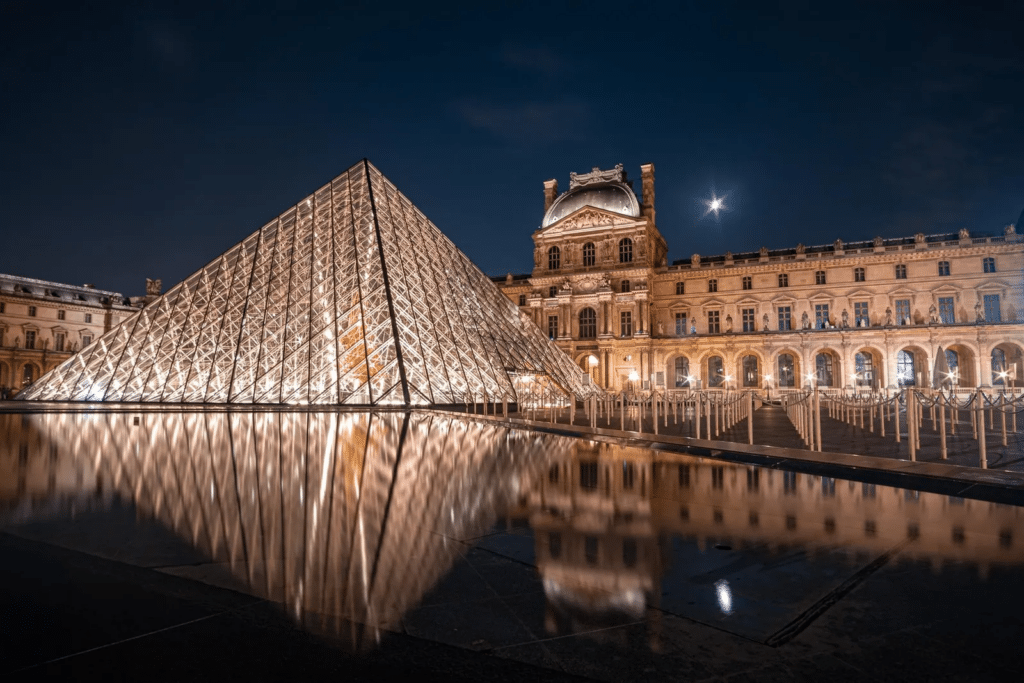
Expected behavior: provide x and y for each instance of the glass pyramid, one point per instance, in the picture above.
(350, 297)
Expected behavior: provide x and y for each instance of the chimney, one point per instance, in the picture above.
(647, 174)
(550, 193)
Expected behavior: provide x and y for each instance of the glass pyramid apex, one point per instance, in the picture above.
(350, 297)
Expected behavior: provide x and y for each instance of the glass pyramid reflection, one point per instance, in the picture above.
(351, 297)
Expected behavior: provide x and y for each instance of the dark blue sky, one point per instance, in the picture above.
(143, 140)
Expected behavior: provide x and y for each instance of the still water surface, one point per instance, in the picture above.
(362, 523)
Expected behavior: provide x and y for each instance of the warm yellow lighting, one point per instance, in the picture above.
(592, 360)
(633, 376)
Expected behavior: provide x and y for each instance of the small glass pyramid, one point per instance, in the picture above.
(351, 297)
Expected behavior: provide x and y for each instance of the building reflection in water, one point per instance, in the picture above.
(348, 519)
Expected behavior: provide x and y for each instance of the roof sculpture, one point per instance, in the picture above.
(350, 297)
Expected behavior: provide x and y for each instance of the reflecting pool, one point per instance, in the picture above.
(485, 535)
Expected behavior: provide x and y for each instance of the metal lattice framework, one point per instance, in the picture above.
(350, 297)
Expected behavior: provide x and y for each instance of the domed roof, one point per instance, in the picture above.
(615, 197)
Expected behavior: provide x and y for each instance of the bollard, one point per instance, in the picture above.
(750, 418)
(942, 431)
(1002, 415)
(817, 419)
(980, 422)
(911, 423)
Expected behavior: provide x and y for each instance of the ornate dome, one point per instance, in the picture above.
(615, 197)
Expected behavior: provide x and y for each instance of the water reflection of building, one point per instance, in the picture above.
(603, 516)
(867, 313)
(346, 519)
(597, 546)
(349, 519)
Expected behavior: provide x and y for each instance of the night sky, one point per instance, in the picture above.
(142, 140)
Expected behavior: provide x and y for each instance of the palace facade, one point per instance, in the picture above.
(44, 323)
(864, 315)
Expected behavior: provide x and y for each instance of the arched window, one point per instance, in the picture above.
(554, 258)
(787, 375)
(28, 374)
(625, 250)
(589, 254)
(864, 366)
(998, 367)
(588, 324)
(716, 371)
(823, 369)
(750, 371)
(953, 363)
(682, 372)
(905, 375)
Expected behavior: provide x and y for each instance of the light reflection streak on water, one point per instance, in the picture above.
(724, 596)
(386, 526)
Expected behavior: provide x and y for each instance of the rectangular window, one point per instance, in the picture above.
(990, 264)
(60, 315)
(58, 341)
(30, 339)
(3, 307)
(946, 314)
(31, 311)
(819, 277)
(552, 327)
(522, 299)
(820, 316)
(943, 268)
(626, 323)
(901, 272)
(860, 314)
(88, 317)
(680, 288)
(748, 320)
(785, 318)
(86, 340)
(712, 285)
(714, 322)
(858, 275)
(681, 318)
(992, 312)
(783, 280)
(903, 312)
(748, 283)
(552, 292)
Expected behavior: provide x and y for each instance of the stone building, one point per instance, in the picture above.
(43, 323)
(866, 314)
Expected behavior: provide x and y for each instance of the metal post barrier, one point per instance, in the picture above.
(911, 424)
(1002, 415)
(896, 410)
(980, 422)
(750, 418)
(942, 431)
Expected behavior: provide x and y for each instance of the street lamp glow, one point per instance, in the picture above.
(768, 377)
(633, 376)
